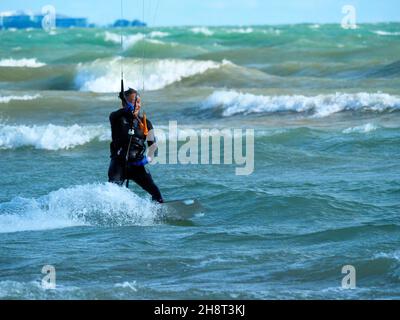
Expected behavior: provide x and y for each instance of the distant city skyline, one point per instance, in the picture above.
(216, 12)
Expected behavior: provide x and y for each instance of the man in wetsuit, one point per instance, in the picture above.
(130, 133)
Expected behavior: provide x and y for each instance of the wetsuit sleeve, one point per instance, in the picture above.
(115, 132)
(113, 118)
(113, 121)
(112, 144)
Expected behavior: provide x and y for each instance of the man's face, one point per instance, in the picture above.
(132, 98)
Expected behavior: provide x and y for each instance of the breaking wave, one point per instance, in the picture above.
(100, 75)
(50, 137)
(86, 205)
(232, 103)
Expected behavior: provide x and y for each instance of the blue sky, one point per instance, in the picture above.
(217, 12)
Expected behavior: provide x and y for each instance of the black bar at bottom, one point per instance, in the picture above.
(164, 310)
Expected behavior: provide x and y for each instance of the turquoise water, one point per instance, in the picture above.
(324, 105)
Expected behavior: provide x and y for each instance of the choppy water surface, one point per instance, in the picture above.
(324, 103)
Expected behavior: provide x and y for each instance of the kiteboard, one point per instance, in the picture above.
(182, 209)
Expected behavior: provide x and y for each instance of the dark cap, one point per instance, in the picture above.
(129, 92)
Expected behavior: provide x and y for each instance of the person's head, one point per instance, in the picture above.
(131, 96)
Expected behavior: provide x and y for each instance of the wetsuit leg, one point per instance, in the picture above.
(116, 172)
(143, 178)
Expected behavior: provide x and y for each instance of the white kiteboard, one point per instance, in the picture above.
(182, 209)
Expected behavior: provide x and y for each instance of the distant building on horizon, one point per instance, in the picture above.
(28, 20)
(122, 23)
(25, 20)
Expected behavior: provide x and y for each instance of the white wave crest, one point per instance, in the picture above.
(273, 31)
(128, 40)
(241, 30)
(232, 103)
(86, 205)
(250, 30)
(101, 75)
(7, 99)
(386, 33)
(50, 137)
(202, 30)
(385, 255)
(159, 34)
(155, 41)
(128, 285)
(21, 63)
(369, 127)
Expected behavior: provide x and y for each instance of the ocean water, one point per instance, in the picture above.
(324, 104)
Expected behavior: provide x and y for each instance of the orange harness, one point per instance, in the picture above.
(143, 126)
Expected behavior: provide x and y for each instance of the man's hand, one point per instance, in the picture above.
(143, 162)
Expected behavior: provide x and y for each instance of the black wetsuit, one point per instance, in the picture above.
(122, 122)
